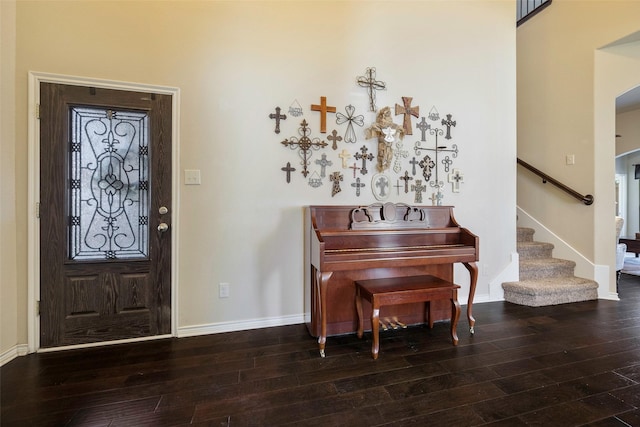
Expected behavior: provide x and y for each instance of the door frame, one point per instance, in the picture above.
(33, 197)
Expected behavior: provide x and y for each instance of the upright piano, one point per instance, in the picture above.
(348, 243)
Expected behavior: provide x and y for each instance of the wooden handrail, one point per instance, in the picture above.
(587, 200)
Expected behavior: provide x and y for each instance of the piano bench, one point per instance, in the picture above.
(403, 290)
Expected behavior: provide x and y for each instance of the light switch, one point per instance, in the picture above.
(191, 177)
(571, 159)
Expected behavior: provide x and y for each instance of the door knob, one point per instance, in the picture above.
(163, 227)
(163, 210)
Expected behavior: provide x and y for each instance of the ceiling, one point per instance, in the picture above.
(628, 101)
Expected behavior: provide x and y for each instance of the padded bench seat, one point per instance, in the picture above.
(403, 290)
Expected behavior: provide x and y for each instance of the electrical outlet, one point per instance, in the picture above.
(192, 177)
(223, 290)
(571, 159)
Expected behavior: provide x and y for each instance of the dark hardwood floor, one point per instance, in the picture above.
(568, 365)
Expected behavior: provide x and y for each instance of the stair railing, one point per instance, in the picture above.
(586, 199)
(526, 9)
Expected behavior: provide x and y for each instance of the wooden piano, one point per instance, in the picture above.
(348, 243)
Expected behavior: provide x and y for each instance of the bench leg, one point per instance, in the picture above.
(455, 315)
(359, 311)
(375, 323)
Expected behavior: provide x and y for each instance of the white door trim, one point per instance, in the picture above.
(33, 236)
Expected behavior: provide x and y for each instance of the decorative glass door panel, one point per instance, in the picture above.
(109, 166)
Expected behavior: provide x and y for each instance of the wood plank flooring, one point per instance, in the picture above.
(569, 365)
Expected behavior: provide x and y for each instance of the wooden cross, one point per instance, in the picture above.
(382, 183)
(408, 111)
(427, 165)
(335, 177)
(358, 185)
(413, 162)
(398, 187)
(323, 163)
(335, 138)
(364, 156)
(455, 178)
(419, 189)
(369, 81)
(278, 117)
(448, 123)
(424, 127)
(305, 145)
(406, 178)
(288, 169)
(344, 155)
(323, 108)
(355, 169)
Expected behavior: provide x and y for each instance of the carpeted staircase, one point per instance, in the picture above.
(545, 280)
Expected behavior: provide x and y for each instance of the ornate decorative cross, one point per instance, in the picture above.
(335, 178)
(305, 145)
(406, 178)
(344, 155)
(335, 138)
(455, 178)
(288, 169)
(399, 154)
(364, 156)
(408, 111)
(419, 189)
(323, 163)
(448, 123)
(424, 127)
(277, 116)
(427, 165)
(369, 81)
(350, 119)
(358, 185)
(323, 108)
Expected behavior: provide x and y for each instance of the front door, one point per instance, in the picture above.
(105, 199)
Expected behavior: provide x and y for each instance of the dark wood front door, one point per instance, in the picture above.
(105, 200)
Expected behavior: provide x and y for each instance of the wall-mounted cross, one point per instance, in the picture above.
(355, 169)
(419, 189)
(423, 126)
(288, 169)
(436, 198)
(427, 165)
(358, 185)
(455, 178)
(369, 81)
(408, 111)
(323, 163)
(448, 123)
(344, 155)
(413, 162)
(382, 183)
(304, 144)
(399, 154)
(406, 178)
(364, 156)
(277, 116)
(398, 187)
(323, 108)
(335, 178)
(334, 138)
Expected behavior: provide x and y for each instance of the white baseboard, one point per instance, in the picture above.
(13, 352)
(242, 325)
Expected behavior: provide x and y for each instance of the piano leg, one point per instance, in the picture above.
(455, 315)
(473, 273)
(322, 278)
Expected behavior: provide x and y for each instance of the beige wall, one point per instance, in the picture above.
(233, 63)
(566, 105)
